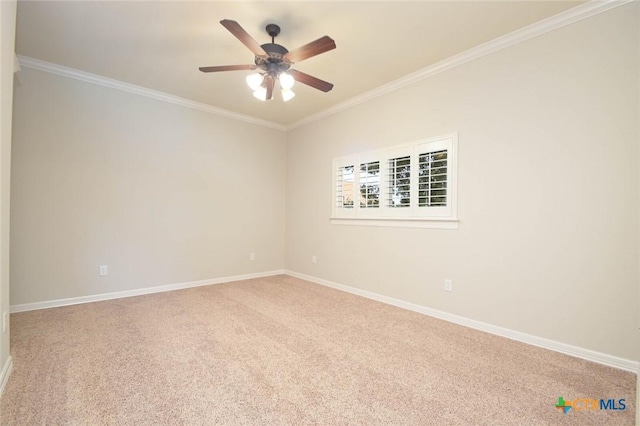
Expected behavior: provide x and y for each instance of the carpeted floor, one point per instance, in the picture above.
(279, 351)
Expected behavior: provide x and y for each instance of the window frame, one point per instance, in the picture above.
(415, 215)
(340, 164)
(367, 211)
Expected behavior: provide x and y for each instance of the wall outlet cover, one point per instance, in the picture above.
(448, 285)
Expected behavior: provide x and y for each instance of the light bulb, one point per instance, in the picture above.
(254, 81)
(286, 80)
(287, 94)
(261, 93)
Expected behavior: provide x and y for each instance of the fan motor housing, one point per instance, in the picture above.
(274, 61)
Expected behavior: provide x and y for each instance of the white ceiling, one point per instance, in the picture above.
(160, 45)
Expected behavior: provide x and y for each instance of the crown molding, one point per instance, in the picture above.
(37, 64)
(552, 23)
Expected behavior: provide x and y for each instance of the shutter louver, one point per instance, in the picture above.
(432, 179)
(344, 187)
(399, 183)
(370, 185)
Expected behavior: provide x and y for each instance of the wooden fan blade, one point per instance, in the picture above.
(310, 80)
(321, 45)
(228, 68)
(239, 32)
(270, 82)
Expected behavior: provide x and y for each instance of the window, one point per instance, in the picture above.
(432, 178)
(406, 185)
(344, 187)
(399, 184)
(370, 185)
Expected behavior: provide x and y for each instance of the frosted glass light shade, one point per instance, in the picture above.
(287, 94)
(254, 81)
(261, 93)
(286, 81)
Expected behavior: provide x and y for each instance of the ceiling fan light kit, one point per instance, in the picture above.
(286, 81)
(254, 81)
(287, 94)
(273, 62)
(257, 83)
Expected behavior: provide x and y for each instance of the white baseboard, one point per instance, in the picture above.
(6, 372)
(587, 354)
(137, 292)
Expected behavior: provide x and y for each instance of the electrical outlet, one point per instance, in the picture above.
(104, 270)
(314, 259)
(448, 285)
(5, 318)
(252, 256)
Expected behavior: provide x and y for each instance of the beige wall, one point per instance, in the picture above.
(548, 189)
(7, 55)
(548, 195)
(160, 193)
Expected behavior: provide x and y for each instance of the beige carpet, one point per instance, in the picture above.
(280, 351)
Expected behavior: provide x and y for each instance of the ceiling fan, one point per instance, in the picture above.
(273, 62)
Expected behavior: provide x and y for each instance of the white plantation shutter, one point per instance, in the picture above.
(432, 178)
(398, 185)
(369, 184)
(435, 177)
(399, 182)
(344, 187)
(413, 181)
